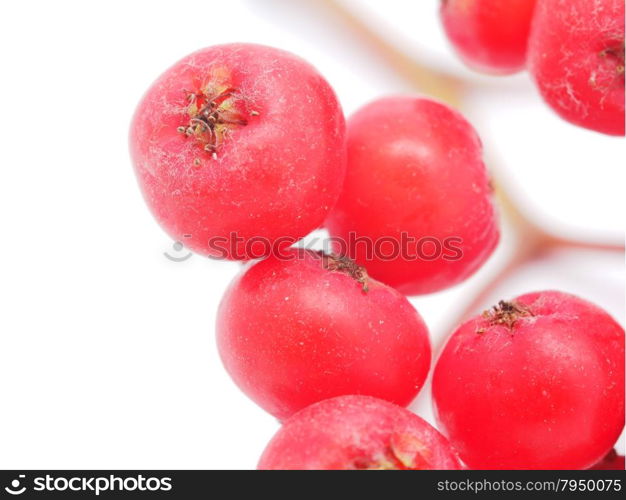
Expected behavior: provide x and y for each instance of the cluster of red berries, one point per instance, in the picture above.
(243, 143)
(574, 50)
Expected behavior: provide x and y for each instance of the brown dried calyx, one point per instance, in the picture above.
(404, 452)
(505, 313)
(211, 117)
(346, 265)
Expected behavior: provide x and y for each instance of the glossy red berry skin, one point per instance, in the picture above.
(294, 332)
(576, 58)
(536, 383)
(415, 168)
(239, 139)
(612, 461)
(357, 433)
(489, 35)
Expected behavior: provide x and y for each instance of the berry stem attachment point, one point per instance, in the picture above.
(506, 313)
(211, 118)
(346, 265)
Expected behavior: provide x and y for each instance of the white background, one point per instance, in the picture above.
(107, 354)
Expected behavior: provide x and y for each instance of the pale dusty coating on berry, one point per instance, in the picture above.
(239, 139)
(576, 56)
